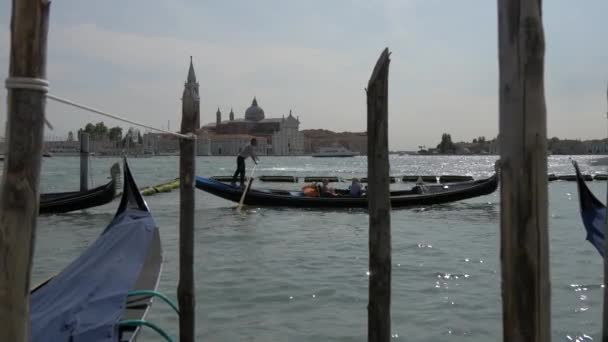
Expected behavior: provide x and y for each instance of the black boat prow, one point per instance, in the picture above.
(417, 196)
(131, 196)
(91, 299)
(593, 212)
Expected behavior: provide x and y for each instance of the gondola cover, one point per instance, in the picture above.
(88, 298)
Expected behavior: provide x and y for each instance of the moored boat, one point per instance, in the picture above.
(63, 202)
(103, 293)
(417, 196)
(593, 212)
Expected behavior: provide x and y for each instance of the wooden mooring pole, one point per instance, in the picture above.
(523, 152)
(379, 306)
(19, 199)
(605, 311)
(84, 161)
(187, 162)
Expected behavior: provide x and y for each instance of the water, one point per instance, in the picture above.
(301, 275)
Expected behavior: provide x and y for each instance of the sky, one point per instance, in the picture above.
(315, 58)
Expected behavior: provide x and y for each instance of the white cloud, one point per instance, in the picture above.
(149, 53)
(443, 78)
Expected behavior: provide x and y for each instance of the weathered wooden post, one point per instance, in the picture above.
(523, 164)
(185, 290)
(379, 306)
(19, 199)
(84, 161)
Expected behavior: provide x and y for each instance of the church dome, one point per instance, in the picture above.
(254, 112)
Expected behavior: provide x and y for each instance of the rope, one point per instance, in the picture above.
(154, 294)
(138, 323)
(29, 83)
(42, 85)
(188, 136)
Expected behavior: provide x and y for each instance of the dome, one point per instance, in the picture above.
(254, 112)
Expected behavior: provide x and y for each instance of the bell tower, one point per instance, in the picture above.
(192, 85)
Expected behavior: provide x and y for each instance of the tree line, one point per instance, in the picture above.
(99, 131)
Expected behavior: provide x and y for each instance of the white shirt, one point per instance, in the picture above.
(248, 151)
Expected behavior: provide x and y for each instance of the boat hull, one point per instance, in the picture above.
(64, 202)
(342, 155)
(418, 196)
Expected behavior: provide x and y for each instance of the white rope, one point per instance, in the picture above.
(189, 136)
(42, 85)
(29, 83)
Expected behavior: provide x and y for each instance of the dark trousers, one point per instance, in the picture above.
(240, 169)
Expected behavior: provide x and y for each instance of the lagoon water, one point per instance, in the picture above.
(272, 274)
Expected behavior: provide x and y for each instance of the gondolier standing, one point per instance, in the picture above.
(247, 152)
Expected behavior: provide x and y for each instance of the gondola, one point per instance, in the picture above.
(593, 212)
(63, 202)
(417, 196)
(92, 299)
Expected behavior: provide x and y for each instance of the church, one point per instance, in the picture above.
(278, 136)
(275, 136)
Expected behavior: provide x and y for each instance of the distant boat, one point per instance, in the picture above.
(47, 154)
(335, 151)
(64, 202)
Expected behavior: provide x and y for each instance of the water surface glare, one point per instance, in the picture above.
(278, 274)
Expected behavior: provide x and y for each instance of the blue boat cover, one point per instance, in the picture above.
(88, 298)
(593, 213)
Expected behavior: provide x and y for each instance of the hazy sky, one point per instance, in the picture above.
(315, 57)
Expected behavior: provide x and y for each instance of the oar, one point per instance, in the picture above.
(246, 188)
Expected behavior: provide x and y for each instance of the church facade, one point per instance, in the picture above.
(275, 136)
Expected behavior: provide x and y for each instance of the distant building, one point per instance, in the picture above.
(597, 147)
(62, 147)
(193, 86)
(314, 139)
(276, 136)
(160, 143)
(233, 144)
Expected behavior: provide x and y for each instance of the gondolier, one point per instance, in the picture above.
(248, 151)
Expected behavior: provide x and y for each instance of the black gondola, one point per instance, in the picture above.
(63, 202)
(593, 212)
(92, 299)
(418, 195)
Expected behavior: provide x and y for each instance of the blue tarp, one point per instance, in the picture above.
(88, 298)
(593, 213)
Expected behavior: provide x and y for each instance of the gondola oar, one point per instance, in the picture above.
(246, 188)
